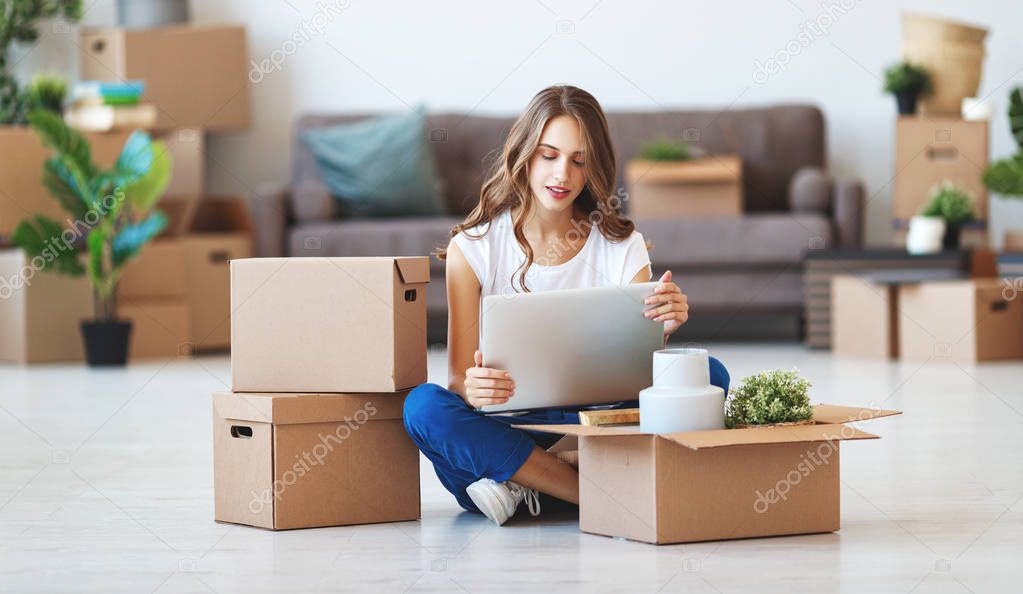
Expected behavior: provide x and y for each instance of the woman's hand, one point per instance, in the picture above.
(671, 306)
(485, 386)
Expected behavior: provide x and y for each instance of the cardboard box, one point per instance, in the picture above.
(187, 150)
(961, 321)
(22, 155)
(328, 324)
(285, 461)
(864, 318)
(40, 312)
(713, 485)
(197, 76)
(189, 263)
(710, 186)
(159, 327)
(932, 149)
(865, 307)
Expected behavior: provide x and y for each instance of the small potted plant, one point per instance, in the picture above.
(952, 204)
(908, 82)
(769, 398)
(111, 218)
(665, 149)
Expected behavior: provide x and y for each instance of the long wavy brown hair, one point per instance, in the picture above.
(507, 186)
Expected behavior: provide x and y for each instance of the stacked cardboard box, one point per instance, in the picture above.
(324, 352)
(177, 291)
(930, 150)
(195, 75)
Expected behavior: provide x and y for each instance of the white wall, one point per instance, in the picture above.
(464, 55)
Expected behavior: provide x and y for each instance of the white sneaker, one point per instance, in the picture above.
(498, 501)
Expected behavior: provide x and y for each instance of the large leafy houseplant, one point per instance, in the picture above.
(18, 23)
(1005, 176)
(111, 211)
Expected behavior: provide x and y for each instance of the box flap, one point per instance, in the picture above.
(180, 213)
(291, 409)
(696, 440)
(413, 270)
(834, 413)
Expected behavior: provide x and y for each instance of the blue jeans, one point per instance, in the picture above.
(465, 445)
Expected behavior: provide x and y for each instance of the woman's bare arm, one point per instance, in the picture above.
(463, 317)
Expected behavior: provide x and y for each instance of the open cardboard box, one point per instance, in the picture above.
(285, 461)
(713, 485)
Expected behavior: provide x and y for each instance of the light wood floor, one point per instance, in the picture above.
(107, 488)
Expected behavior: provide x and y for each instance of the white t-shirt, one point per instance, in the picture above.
(496, 257)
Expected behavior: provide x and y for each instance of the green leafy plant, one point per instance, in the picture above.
(1005, 176)
(905, 77)
(951, 203)
(47, 91)
(18, 21)
(112, 209)
(769, 397)
(665, 149)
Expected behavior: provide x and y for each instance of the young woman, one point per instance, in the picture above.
(547, 219)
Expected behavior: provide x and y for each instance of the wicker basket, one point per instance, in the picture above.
(785, 424)
(953, 54)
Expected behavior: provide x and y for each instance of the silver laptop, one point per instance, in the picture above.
(571, 347)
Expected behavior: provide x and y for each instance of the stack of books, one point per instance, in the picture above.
(103, 106)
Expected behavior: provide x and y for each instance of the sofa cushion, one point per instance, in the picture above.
(750, 240)
(372, 237)
(379, 167)
(810, 191)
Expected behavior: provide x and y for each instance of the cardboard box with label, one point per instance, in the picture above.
(22, 154)
(328, 324)
(962, 321)
(196, 75)
(710, 186)
(184, 274)
(930, 150)
(284, 461)
(713, 485)
(40, 312)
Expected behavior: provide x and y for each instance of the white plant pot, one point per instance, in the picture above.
(925, 235)
(682, 398)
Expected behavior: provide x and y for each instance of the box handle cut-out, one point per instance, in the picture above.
(219, 257)
(241, 432)
(945, 153)
(410, 295)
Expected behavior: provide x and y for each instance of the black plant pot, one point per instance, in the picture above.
(950, 241)
(106, 343)
(906, 101)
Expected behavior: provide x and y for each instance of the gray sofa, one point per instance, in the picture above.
(743, 275)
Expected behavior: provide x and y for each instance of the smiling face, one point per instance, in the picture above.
(557, 170)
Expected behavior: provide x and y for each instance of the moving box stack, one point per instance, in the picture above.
(324, 352)
(940, 144)
(176, 293)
